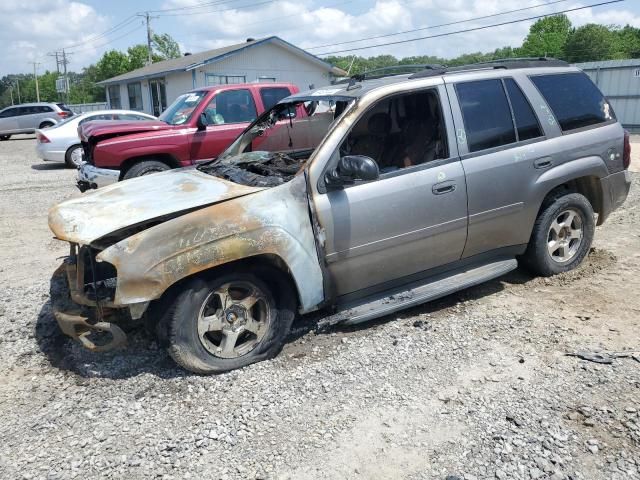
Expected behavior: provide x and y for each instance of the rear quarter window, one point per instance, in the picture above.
(574, 100)
(272, 95)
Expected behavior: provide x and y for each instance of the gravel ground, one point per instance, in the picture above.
(475, 386)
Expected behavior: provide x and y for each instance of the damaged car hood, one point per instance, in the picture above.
(139, 200)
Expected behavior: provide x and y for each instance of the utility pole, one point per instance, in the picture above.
(66, 80)
(18, 87)
(148, 18)
(35, 75)
(11, 93)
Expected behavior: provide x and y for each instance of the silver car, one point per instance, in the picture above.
(418, 186)
(61, 143)
(26, 118)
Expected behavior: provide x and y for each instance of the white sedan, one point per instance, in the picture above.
(60, 143)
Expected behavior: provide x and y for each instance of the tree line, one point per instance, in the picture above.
(548, 37)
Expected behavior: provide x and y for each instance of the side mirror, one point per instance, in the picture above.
(202, 121)
(351, 168)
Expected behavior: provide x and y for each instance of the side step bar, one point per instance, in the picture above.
(417, 293)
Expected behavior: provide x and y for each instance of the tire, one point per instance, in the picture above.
(70, 158)
(561, 218)
(145, 167)
(226, 342)
(46, 125)
(4, 137)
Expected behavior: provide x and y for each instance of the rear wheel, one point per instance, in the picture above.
(73, 157)
(230, 322)
(561, 236)
(4, 137)
(146, 167)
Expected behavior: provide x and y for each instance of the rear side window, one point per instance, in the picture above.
(44, 109)
(575, 101)
(526, 121)
(272, 95)
(486, 114)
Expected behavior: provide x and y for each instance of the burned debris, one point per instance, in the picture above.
(256, 169)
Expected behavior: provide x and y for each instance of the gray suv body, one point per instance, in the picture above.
(28, 117)
(383, 194)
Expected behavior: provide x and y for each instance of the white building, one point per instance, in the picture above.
(150, 89)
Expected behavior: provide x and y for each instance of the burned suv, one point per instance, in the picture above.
(357, 200)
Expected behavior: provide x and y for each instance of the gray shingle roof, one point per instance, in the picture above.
(191, 61)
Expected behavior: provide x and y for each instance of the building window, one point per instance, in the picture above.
(214, 79)
(267, 79)
(114, 97)
(135, 96)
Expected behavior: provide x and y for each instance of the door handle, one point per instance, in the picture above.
(444, 187)
(544, 162)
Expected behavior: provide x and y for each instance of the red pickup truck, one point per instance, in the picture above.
(198, 126)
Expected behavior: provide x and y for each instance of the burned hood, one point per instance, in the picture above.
(137, 201)
(113, 128)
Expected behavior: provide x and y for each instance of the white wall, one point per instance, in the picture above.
(266, 60)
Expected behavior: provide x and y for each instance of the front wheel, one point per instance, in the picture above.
(562, 235)
(230, 322)
(4, 137)
(145, 167)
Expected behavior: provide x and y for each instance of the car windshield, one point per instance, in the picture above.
(277, 145)
(181, 109)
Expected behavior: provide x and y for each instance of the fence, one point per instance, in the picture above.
(87, 107)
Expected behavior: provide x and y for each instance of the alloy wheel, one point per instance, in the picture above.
(565, 236)
(233, 319)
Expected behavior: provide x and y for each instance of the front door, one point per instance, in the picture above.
(414, 217)
(158, 96)
(228, 113)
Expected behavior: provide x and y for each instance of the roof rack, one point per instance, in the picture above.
(504, 63)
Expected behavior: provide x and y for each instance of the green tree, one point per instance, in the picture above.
(547, 37)
(627, 42)
(165, 46)
(111, 64)
(590, 42)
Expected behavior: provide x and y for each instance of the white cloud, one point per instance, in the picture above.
(307, 25)
(29, 30)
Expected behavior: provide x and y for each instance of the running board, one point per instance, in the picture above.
(417, 293)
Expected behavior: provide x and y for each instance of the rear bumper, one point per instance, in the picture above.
(49, 154)
(615, 188)
(92, 177)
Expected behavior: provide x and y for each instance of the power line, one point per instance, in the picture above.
(217, 11)
(397, 42)
(127, 21)
(192, 7)
(95, 47)
(438, 26)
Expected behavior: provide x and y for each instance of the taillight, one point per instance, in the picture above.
(64, 114)
(42, 138)
(626, 154)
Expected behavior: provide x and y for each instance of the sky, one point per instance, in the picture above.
(29, 31)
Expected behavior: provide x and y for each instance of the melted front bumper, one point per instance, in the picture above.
(75, 318)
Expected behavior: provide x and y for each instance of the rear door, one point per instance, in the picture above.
(228, 113)
(502, 150)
